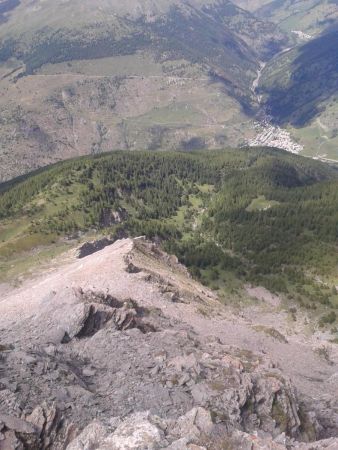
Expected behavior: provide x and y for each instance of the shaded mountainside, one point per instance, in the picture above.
(81, 79)
(248, 215)
(297, 88)
(127, 337)
(300, 89)
(309, 16)
(300, 82)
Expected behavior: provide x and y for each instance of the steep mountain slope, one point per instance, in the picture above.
(300, 89)
(233, 217)
(308, 16)
(251, 5)
(297, 88)
(125, 336)
(79, 77)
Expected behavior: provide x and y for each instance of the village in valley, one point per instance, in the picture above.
(273, 136)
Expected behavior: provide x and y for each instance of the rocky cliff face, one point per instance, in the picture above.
(122, 350)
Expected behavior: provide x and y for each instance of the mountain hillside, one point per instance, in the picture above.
(123, 350)
(297, 88)
(251, 5)
(300, 90)
(310, 17)
(168, 256)
(258, 216)
(79, 77)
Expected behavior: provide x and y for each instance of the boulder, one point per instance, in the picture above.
(90, 438)
(193, 424)
(88, 248)
(51, 429)
(17, 425)
(10, 441)
(135, 433)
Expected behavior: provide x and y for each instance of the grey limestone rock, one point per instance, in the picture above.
(90, 437)
(95, 371)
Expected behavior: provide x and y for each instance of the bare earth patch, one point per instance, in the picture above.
(262, 294)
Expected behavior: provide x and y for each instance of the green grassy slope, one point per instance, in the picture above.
(251, 215)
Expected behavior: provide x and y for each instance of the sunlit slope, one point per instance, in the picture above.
(248, 215)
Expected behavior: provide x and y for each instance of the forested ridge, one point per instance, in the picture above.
(262, 215)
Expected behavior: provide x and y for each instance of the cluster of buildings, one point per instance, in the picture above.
(269, 135)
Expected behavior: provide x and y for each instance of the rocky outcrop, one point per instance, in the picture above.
(171, 372)
(97, 310)
(145, 431)
(44, 428)
(121, 366)
(255, 397)
(88, 248)
(193, 431)
(258, 441)
(109, 217)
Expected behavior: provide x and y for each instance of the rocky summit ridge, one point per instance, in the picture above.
(122, 349)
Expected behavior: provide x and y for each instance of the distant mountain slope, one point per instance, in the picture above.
(309, 16)
(300, 89)
(84, 23)
(79, 77)
(251, 5)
